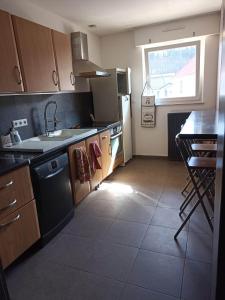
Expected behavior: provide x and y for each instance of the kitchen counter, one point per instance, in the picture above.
(13, 160)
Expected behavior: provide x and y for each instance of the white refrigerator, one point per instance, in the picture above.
(112, 103)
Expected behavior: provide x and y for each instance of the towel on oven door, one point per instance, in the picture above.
(83, 165)
(95, 153)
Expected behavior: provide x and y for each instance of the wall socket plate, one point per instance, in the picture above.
(19, 123)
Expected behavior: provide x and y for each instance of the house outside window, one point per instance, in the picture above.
(173, 73)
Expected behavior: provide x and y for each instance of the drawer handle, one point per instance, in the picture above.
(104, 137)
(11, 204)
(110, 149)
(6, 185)
(10, 222)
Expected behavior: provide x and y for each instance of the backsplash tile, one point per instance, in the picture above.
(72, 109)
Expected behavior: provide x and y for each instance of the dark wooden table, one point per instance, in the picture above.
(200, 125)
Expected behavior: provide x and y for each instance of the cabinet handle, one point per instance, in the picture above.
(18, 75)
(104, 137)
(11, 204)
(110, 149)
(72, 78)
(10, 222)
(6, 185)
(55, 78)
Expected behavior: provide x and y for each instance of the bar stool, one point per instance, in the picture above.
(197, 149)
(201, 171)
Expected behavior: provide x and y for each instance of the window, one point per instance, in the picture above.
(173, 73)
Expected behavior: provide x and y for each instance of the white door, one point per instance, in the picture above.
(127, 136)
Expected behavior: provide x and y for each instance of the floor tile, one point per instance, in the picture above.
(171, 198)
(168, 217)
(69, 250)
(132, 292)
(126, 233)
(196, 281)
(198, 223)
(112, 260)
(143, 198)
(157, 272)
(161, 239)
(199, 247)
(136, 212)
(38, 280)
(88, 226)
(108, 208)
(98, 250)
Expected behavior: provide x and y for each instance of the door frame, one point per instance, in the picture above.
(218, 265)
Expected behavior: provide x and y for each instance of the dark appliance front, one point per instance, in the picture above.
(52, 189)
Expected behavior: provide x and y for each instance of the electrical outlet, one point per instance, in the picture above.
(19, 123)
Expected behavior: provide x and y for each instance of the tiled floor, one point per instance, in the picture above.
(120, 244)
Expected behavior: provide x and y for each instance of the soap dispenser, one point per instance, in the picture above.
(15, 136)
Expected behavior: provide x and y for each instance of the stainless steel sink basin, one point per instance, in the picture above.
(64, 134)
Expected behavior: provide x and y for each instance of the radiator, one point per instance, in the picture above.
(175, 121)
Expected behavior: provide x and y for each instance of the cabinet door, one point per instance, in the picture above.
(10, 78)
(80, 191)
(18, 231)
(97, 176)
(63, 56)
(107, 163)
(35, 49)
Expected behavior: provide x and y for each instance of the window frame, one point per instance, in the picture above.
(198, 84)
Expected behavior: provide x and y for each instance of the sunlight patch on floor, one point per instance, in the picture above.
(116, 188)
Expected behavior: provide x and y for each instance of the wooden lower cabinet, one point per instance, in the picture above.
(97, 176)
(18, 231)
(107, 163)
(15, 190)
(80, 191)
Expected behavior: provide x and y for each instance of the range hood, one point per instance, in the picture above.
(82, 66)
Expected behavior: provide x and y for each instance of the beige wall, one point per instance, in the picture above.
(119, 50)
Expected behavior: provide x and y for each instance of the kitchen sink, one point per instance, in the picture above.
(64, 134)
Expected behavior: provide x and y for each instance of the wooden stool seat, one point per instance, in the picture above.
(202, 163)
(204, 147)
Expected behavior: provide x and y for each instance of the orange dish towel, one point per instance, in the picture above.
(83, 166)
(95, 153)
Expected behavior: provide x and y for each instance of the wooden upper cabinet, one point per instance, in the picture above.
(35, 49)
(10, 76)
(63, 56)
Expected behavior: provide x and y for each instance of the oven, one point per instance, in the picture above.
(116, 143)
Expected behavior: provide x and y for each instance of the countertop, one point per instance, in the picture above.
(10, 161)
(200, 125)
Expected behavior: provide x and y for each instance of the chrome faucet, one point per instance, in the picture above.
(54, 121)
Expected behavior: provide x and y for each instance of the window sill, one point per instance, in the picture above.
(172, 103)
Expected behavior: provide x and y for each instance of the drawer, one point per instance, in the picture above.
(15, 190)
(18, 231)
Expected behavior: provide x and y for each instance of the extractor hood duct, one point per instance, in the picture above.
(83, 67)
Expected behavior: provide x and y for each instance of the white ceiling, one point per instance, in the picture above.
(118, 15)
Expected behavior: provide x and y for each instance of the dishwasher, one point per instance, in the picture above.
(53, 194)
